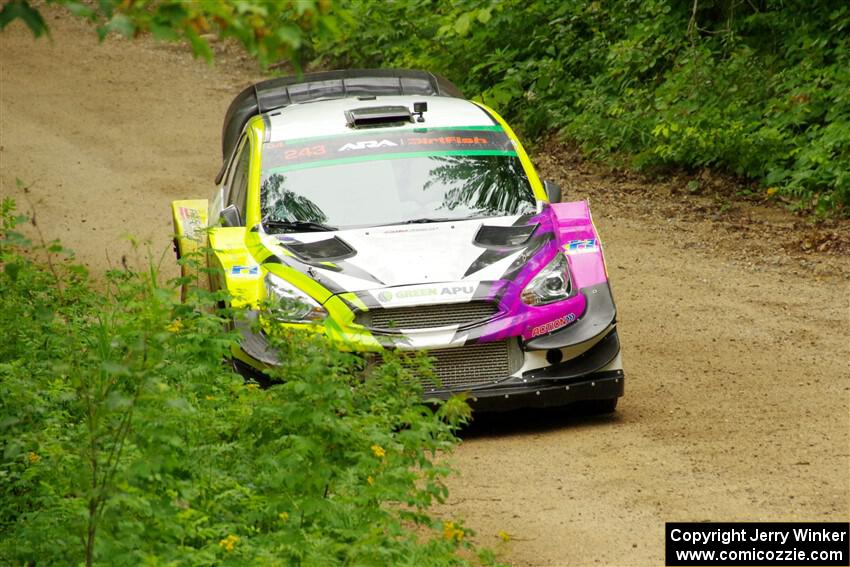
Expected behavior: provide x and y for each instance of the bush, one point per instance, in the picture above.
(759, 89)
(127, 440)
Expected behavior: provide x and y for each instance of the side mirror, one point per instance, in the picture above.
(230, 216)
(553, 191)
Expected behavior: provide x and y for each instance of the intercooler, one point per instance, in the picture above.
(473, 365)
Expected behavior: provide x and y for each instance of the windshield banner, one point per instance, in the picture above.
(284, 155)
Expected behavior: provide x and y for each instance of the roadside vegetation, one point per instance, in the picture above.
(126, 439)
(755, 88)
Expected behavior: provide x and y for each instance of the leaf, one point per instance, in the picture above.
(117, 400)
(115, 368)
(12, 269)
(122, 24)
(43, 314)
(463, 23)
(163, 32)
(289, 35)
(81, 10)
(30, 16)
(200, 46)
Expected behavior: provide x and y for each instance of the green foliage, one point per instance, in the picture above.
(127, 440)
(759, 88)
(269, 30)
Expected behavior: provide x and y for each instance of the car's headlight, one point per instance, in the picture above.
(551, 284)
(288, 304)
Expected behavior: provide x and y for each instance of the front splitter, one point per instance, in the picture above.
(604, 385)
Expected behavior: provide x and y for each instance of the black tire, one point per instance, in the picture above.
(250, 374)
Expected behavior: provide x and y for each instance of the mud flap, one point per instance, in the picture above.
(190, 222)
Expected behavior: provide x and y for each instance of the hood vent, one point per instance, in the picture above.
(330, 250)
(504, 236)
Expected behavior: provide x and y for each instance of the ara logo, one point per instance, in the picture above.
(367, 145)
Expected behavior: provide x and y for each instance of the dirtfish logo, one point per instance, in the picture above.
(367, 145)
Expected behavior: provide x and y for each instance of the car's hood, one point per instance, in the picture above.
(403, 255)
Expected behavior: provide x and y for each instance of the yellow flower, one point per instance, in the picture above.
(370, 480)
(228, 542)
(452, 532)
(378, 451)
(33, 457)
(175, 326)
(283, 516)
(504, 536)
(209, 398)
(253, 387)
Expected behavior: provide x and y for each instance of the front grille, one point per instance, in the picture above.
(427, 316)
(472, 365)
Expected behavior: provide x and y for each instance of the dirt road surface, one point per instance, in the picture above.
(734, 318)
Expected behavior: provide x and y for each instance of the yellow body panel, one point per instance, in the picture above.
(242, 275)
(256, 131)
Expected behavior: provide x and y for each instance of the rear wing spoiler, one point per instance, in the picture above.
(284, 91)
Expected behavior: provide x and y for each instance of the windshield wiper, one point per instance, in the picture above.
(419, 221)
(299, 226)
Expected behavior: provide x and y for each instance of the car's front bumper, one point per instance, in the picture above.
(596, 374)
(589, 371)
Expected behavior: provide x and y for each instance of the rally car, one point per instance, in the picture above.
(402, 216)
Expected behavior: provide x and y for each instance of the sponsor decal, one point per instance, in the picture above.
(547, 328)
(404, 230)
(581, 246)
(191, 221)
(387, 295)
(366, 145)
(300, 154)
(447, 140)
(245, 271)
(457, 289)
(282, 155)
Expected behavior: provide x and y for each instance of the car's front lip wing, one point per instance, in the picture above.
(602, 385)
(568, 379)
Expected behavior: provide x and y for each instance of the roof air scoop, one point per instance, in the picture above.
(376, 116)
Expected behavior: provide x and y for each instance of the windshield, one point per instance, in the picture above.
(386, 181)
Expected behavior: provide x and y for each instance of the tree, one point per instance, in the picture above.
(270, 30)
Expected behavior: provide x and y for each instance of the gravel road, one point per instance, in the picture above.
(735, 340)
